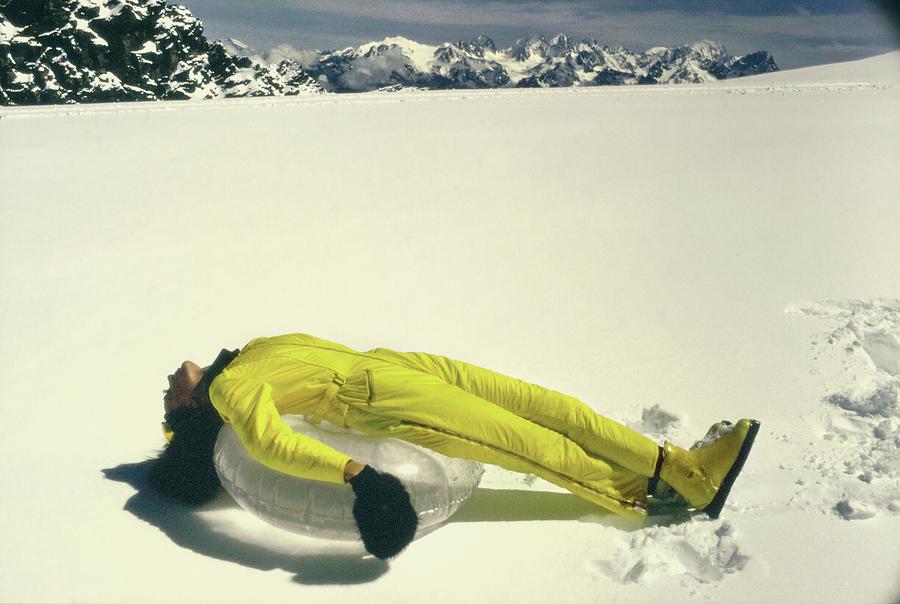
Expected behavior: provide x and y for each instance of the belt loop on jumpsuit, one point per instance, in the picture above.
(326, 399)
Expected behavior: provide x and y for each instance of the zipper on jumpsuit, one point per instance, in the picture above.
(370, 387)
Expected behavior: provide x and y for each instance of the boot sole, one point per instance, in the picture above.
(715, 506)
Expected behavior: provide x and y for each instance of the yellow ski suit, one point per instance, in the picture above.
(455, 408)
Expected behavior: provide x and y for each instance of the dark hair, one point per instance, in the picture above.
(185, 469)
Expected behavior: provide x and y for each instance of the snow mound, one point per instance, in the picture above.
(852, 510)
(661, 424)
(698, 551)
(859, 421)
(656, 420)
(882, 69)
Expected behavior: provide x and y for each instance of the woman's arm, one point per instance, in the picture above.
(246, 403)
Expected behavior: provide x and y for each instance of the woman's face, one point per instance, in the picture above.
(181, 386)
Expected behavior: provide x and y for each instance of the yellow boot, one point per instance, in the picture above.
(703, 476)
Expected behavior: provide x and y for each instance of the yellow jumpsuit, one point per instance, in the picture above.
(455, 408)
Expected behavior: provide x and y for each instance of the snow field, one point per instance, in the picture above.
(672, 256)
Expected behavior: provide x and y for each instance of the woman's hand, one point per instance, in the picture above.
(352, 469)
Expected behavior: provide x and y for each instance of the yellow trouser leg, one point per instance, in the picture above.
(425, 410)
(596, 434)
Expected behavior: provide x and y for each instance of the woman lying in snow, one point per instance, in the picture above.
(452, 407)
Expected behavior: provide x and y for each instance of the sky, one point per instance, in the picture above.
(797, 33)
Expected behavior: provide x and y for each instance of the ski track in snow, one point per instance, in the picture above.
(856, 457)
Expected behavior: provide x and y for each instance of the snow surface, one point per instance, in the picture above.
(672, 255)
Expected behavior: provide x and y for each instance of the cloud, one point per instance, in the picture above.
(624, 21)
(378, 69)
(445, 12)
(306, 58)
(473, 11)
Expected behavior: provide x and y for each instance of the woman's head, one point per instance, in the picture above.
(181, 385)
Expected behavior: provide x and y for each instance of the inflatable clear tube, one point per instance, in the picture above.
(437, 484)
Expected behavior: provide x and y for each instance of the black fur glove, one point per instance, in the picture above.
(383, 512)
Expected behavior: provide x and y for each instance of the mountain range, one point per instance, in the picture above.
(533, 62)
(71, 51)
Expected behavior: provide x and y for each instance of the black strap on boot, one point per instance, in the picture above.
(651, 484)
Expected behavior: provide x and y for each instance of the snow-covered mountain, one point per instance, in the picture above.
(68, 51)
(530, 62)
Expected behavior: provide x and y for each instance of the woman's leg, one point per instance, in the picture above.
(566, 415)
(425, 410)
